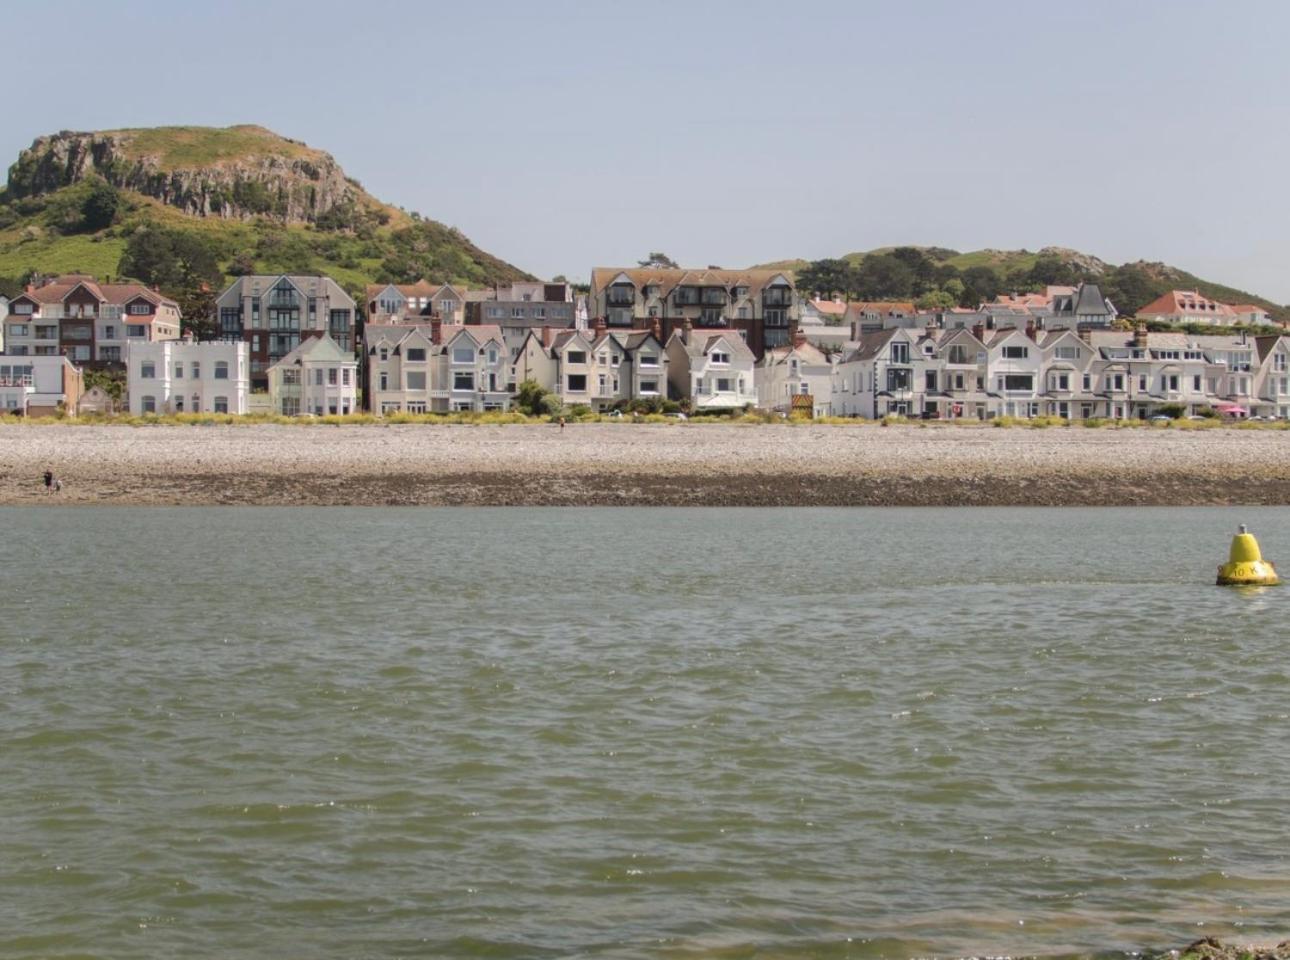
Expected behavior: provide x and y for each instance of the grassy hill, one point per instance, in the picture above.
(1131, 285)
(254, 200)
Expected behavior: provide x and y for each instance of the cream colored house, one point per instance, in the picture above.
(317, 378)
(713, 369)
(799, 369)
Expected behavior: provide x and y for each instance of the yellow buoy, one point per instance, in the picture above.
(1245, 564)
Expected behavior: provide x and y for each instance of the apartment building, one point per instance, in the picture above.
(418, 302)
(524, 307)
(88, 322)
(39, 386)
(761, 307)
(275, 314)
(181, 376)
(317, 377)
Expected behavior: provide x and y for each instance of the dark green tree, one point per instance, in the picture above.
(882, 277)
(659, 259)
(826, 278)
(100, 206)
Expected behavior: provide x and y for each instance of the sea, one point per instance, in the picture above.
(638, 733)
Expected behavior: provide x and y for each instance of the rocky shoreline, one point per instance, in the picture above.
(642, 464)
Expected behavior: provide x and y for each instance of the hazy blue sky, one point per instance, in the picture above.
(564, 134)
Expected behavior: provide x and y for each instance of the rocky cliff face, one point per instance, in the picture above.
(293, 185)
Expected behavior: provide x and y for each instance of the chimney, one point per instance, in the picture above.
(548, 335)
(799, 337)
(436, 331)
(978, 331)
(1031, 332)
(658, 330)
(1140, 335)
(600, 327)
(29, 289)
(686, 332)
(1086, 334)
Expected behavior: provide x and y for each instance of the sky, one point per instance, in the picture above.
(562, 135)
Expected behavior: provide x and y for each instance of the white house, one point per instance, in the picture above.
(1015, 363)
(178, 376)
(473, 369)
(401, 363)
(798, 369)
(38, 386)
(713, 369)
(317, 377)
(877, 377)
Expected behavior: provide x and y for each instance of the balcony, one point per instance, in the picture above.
(777, 297)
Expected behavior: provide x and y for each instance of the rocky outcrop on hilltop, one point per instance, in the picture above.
(251, 173)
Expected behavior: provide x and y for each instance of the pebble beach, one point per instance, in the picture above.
(641, 464)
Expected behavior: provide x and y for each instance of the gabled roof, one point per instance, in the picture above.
(1266, 345)
(322, 348)
(805, 352)
(700, 342)
(480, 333)
(871, 344)
(668, 279)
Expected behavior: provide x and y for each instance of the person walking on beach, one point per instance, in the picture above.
(49, 482)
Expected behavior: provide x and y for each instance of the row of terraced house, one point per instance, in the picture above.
(717, 339)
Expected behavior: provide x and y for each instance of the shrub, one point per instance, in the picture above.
(1175, 411)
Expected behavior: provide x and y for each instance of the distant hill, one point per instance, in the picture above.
(254, 200)
(1131, 286)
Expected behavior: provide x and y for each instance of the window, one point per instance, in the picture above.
(1195, 383)
(18, 329)
(1067, 353)
(417, 380)
(601, 381)
(221, 369)
(291, 406)
(720, 358)
(1016, 353)
(900, 353)
(929, 380)
(575, 356)
(415, 355)
(221, 404)
(136, 330)
(140, 309)
(463, 380)
(463, 354)
(179, 404)
(318, 377)
(80, 353)
(23, 309)
(46, 332)
(179, 371)
(148, 370)
(1059, 381)
(109, 333)
(648, 360)
(344, 376)
(723, 385)
(1088, 381)
(1018, 381)
(385, 381)
(332, 377)
(197, 370)
(385, 354)
(577, 383)
(1142, 381)
(149, 404)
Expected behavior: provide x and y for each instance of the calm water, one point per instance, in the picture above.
(379, 733)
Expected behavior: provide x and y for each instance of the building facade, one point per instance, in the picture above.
(275, 314)
(761, 307)
(88, 322)
(181, 376)
(39, 386)
(712, 369)
(317, 378)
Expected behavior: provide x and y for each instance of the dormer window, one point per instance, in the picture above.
(720, 358)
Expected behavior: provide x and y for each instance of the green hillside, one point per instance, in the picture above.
(940, 276)
(61, 212)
